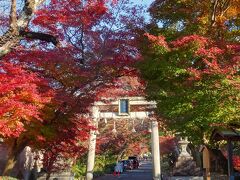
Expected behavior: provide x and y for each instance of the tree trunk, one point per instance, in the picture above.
(196, 154)
(120, 155)
(9, 165)
(12, 158)
(15, 146)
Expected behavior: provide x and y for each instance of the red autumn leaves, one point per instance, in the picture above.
(23, 94)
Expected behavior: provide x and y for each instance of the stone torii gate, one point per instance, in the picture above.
(128, 108)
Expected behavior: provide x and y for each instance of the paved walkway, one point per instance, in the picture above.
(144, 172)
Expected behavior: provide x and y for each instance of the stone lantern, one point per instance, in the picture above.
(185, 164)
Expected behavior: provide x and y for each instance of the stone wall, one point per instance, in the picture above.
(186, 178)
(25, 162)
(57, 176)
(28, 167)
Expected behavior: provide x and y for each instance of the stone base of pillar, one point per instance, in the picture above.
(157, 178)
(89, 176)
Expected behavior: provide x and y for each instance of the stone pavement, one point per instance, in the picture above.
(144, 172)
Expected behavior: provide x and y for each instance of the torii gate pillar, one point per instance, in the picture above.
(92, 146)
(155, 151)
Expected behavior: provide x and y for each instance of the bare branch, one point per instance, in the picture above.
(13, 16)
(214, 12)
(40, 36)
(226, 5)
(38, 3)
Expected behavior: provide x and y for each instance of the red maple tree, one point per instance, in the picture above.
(88, 54)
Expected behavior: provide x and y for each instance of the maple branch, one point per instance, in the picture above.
(109, 31)
(82, 43)
(40, 36)
(81, 40)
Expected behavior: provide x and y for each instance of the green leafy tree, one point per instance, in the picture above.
(195, 81)
(192, 70)
(218, 19)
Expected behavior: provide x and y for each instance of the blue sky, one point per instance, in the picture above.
(144, 2)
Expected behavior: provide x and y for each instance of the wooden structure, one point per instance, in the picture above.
(213, 161)
(206, 161)
(229, 136)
